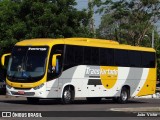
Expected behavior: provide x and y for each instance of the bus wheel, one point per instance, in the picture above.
(31, 100)
(68, 96)
(93, 99)
(123, 96)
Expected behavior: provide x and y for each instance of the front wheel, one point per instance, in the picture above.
(68, 96)
(123, 96)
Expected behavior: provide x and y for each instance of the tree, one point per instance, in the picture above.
(7, 20)
(158, 58)
(25, 19)
(128, 20)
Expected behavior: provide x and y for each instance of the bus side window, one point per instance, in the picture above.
(87, 55)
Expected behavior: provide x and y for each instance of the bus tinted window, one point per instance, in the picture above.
(87, 55)
(148, 59)
(69, 57)
(95, 56)
(134, 58)
(84, 55)
(103, 56)
(106, 57)
(78, 51)
(121, 58)
(110, 57)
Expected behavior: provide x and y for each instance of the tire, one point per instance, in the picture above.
(67, 96)
(93, 99)
(123, 96)
(31, 100)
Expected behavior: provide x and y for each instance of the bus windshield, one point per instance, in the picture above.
(27, 63)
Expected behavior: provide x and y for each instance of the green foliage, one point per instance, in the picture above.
(130, 22)
(25, 19)
(158, 57)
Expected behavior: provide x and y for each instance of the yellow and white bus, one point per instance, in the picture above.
(80, 67)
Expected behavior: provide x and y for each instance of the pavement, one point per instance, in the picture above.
(155, 96)
(129, 108)
(141, 109)
(135, 108)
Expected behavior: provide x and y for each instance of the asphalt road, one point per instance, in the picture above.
(80, 109)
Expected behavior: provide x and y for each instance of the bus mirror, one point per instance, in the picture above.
(5, 59)
(54, 59)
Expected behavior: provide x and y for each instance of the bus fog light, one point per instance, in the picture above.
(38, 87)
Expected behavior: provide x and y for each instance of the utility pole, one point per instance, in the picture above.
(91, 11)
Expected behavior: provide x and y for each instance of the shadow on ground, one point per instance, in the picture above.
(76, 102)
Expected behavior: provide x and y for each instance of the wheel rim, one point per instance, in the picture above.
(67, 96)
(124, 95)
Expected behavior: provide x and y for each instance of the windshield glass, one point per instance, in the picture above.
(27, 62)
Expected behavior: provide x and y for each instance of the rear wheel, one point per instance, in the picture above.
(31, 100)
(93, 99)
(68, 96)
(123, 96)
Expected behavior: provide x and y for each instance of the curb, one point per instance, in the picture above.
(144, 109)
(154, 96)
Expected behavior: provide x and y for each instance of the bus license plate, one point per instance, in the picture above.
(21, 92)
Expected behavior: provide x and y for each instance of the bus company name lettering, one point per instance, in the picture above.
(40, 49)
(101, 71)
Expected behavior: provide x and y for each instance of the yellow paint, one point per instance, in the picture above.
(25, 85)
(3, 58)
(82, 42)
(54, 59)
(109, 79)
(150, 83)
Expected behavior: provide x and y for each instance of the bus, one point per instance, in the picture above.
(71, 68)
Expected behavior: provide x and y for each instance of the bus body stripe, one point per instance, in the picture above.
(149, 85)
(134, 78)
(109, 79)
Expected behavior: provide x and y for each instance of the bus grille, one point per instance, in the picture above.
(21, 88)
(25, 93)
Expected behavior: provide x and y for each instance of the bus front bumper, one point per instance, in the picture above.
(40, 93)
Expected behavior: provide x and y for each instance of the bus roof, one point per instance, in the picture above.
(81, 42)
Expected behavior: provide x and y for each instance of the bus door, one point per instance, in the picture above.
(54, 70)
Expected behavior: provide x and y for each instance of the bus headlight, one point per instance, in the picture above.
(8, 86)
(38, 87)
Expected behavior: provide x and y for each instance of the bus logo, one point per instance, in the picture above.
(91, 71)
